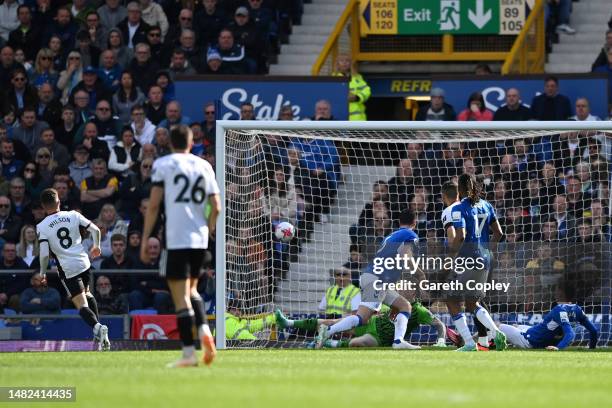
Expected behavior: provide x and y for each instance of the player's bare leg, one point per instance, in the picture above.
(100, 331)
(367, 340)
(207, 340)
(458, 318)
(180, 291)
(401, 324)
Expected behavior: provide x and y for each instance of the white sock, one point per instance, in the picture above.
(483, 341)
(345, 324)
(401, 323)
(462, 327)
(485, 318)
(204, 330)
(188, 351)
(334, 343)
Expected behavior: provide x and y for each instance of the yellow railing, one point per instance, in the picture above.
(344, 39)
(529, 50)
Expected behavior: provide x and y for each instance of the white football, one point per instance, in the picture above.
(284, 231)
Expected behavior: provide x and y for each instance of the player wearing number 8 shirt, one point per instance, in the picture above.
(186, 184)
(59, 237)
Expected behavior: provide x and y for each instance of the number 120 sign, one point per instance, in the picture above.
(438, 17)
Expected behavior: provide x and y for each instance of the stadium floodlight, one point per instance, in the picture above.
(256, 273)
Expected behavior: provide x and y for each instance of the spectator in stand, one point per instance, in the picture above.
(607, 69)
(247, 111)
(123, 54)
(149, 151)
(154, 16)
(27, 248)
(119, 260)
(193, 53)
(174, 116)
(134, 189)
(525, 161)
(125, 154)
(437, 109)
(551, 105)
(109, 127)
(162, 141)
(93, 86)
(67, 129)
(59, 153)
(63, 192)
(482, 69)
(215, 65)
(150, 290)
(7, 65)
(575, 198)
(602, 57)
(110, 71)
(127, 96)
(111, 221)
(8, 18)
(286, 113)
(71, 76)
(11, 285)
(562, 9)
(58, 52)
(20, 93)
(11, 166)
(21, 58)
(231, 53)
(10, 224)
(49, 108)
(40, 299)
(45, 164)
(97, 190)
(210, 20)
(583, 110)
(97, 33)
(111, 14)
(155, 108)
(80, 168)
(79, 10)
(133, 28)
(26, 36)
(90, 54)
(569, 150)
(144, 130)
(197, 148)
(246, 33)
(43, 71)
(34, 181)
(29, 129)
(532, 200)
(110, 302)
(476, 109)
(81, 109)
(185, 22)
(143, 67)
(63, 174)
(209, 125)
(342, 298)
(359, 90)
(158, 50)
(401, 188)
(322, 110)
(64, 27)
(180, 65)
(513, 110)
(566, 223)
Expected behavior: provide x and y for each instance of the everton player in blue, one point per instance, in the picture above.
(473, 219)
(386, 268)
(557, 324)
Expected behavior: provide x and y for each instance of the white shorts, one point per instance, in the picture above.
(372, 298)
(514, 335)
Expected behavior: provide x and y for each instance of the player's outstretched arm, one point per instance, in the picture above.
(43, 257)
(155, 199)
(568, 336)
(95, 236)
(586, 323)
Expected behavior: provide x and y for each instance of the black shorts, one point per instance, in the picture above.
(77, 284)
(182, 263)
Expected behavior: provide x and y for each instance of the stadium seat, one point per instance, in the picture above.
(8, 311)
(70, 312)
(143, 312)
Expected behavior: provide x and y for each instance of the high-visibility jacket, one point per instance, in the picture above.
(360, 88)
(340, 303)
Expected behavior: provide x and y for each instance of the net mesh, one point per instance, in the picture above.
(344, 191)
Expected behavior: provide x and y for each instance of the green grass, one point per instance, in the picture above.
(326, 378)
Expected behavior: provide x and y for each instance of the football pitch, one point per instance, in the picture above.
(325, 378)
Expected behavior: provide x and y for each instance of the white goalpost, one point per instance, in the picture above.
(343, 185)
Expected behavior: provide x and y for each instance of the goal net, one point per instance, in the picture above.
(343, 186)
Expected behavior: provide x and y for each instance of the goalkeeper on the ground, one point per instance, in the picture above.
(377, 332)
(238, 328)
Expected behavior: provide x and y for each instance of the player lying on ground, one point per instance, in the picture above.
(399, 243)
(472, 218)
(379, 330)
(59, 236)
(557, 323)
(239, 328)
(450, 197)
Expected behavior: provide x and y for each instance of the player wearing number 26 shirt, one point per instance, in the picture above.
(59, 237)
(186, 185)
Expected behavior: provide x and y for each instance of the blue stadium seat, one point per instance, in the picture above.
(143, 312)
(70, 312)
(8, 311)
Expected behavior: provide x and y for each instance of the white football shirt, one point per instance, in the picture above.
(61, 231)
(187, 180)
(446, 216)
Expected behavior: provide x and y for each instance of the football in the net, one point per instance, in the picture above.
(284, 231)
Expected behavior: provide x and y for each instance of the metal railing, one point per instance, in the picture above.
(529, 50)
